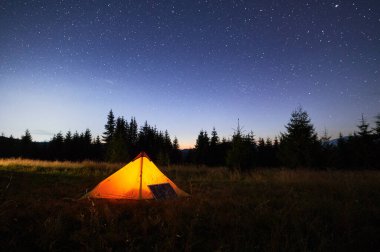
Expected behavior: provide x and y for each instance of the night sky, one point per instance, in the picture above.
(188, 65)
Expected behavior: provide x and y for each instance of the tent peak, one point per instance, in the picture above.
(140, 155)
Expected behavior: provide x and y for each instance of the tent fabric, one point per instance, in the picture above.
(132, 181)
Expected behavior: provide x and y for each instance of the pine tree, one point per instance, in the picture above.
(68, 146)
(27, 138)
(118, 150)
(364, 146)
(87, 147)
(299, 145)
(26, 145)
(110, 128)
(268, 142)
(214, 157)
(376, 130)
(87, 137)
(241, 155)
(133, 132)
(176, 155)
(68, 137)
(261, 152)
(202, 146)
(376, 140)
(327, 150)
(56, 147)
(276, 144)
(214, 138)
(363, 128)
(325, 139)
(97, 149)
(165, 150)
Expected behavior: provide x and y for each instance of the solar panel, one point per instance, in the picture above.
(163, 191)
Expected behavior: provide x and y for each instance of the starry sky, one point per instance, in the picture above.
(188, 65)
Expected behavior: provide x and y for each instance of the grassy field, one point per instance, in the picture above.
(266, 210)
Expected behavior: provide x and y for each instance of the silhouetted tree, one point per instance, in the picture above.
(56, 147)
(363, 146)
(262, 158)
(299, 145)
(376, 130)
(110, 128)
(68, 146)
(97, 153)
(271, 152)
(202, 147)
(163, 144)
(376, 140)
(133, 132)
(327, 157)
(27, 138)
(86, 144)
(117, 150)
(363, 128)
(26, 145)
(241, 155)
(176, 156)
(214, 157)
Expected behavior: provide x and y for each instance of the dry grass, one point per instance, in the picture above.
(265, 210)
(30, 165)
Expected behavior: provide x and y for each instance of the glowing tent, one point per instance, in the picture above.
(139, 179)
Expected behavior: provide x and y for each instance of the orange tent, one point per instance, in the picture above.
(139, 179)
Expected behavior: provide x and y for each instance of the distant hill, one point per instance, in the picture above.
(334, 142)
(185, 152)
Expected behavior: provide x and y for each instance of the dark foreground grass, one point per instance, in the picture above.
(275, 210)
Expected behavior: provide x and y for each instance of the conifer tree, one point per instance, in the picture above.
(376, 130)
(364, 145)
(327, 150)
(363, 128)
(325, 139)
(110, 128)
(97, 149)
(86, 142)
(214, 138)
(241, 156)
(68, 137)
(268, 142)
(202, 147)
(87, 137)
(68, 146)
(214, 157)
(27, 138)
(26, 145)
(57, 151)
(117, 150)
(261, 152)
(299, 145)
(176, 156)
(133, 132)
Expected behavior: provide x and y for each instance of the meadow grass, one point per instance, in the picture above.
(264, 210)
(63, 167)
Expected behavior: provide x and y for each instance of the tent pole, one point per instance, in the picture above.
(141, 170)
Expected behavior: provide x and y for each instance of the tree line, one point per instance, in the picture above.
(122, 140)
(299, 146)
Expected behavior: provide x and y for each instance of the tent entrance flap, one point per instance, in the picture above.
(162, 191)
